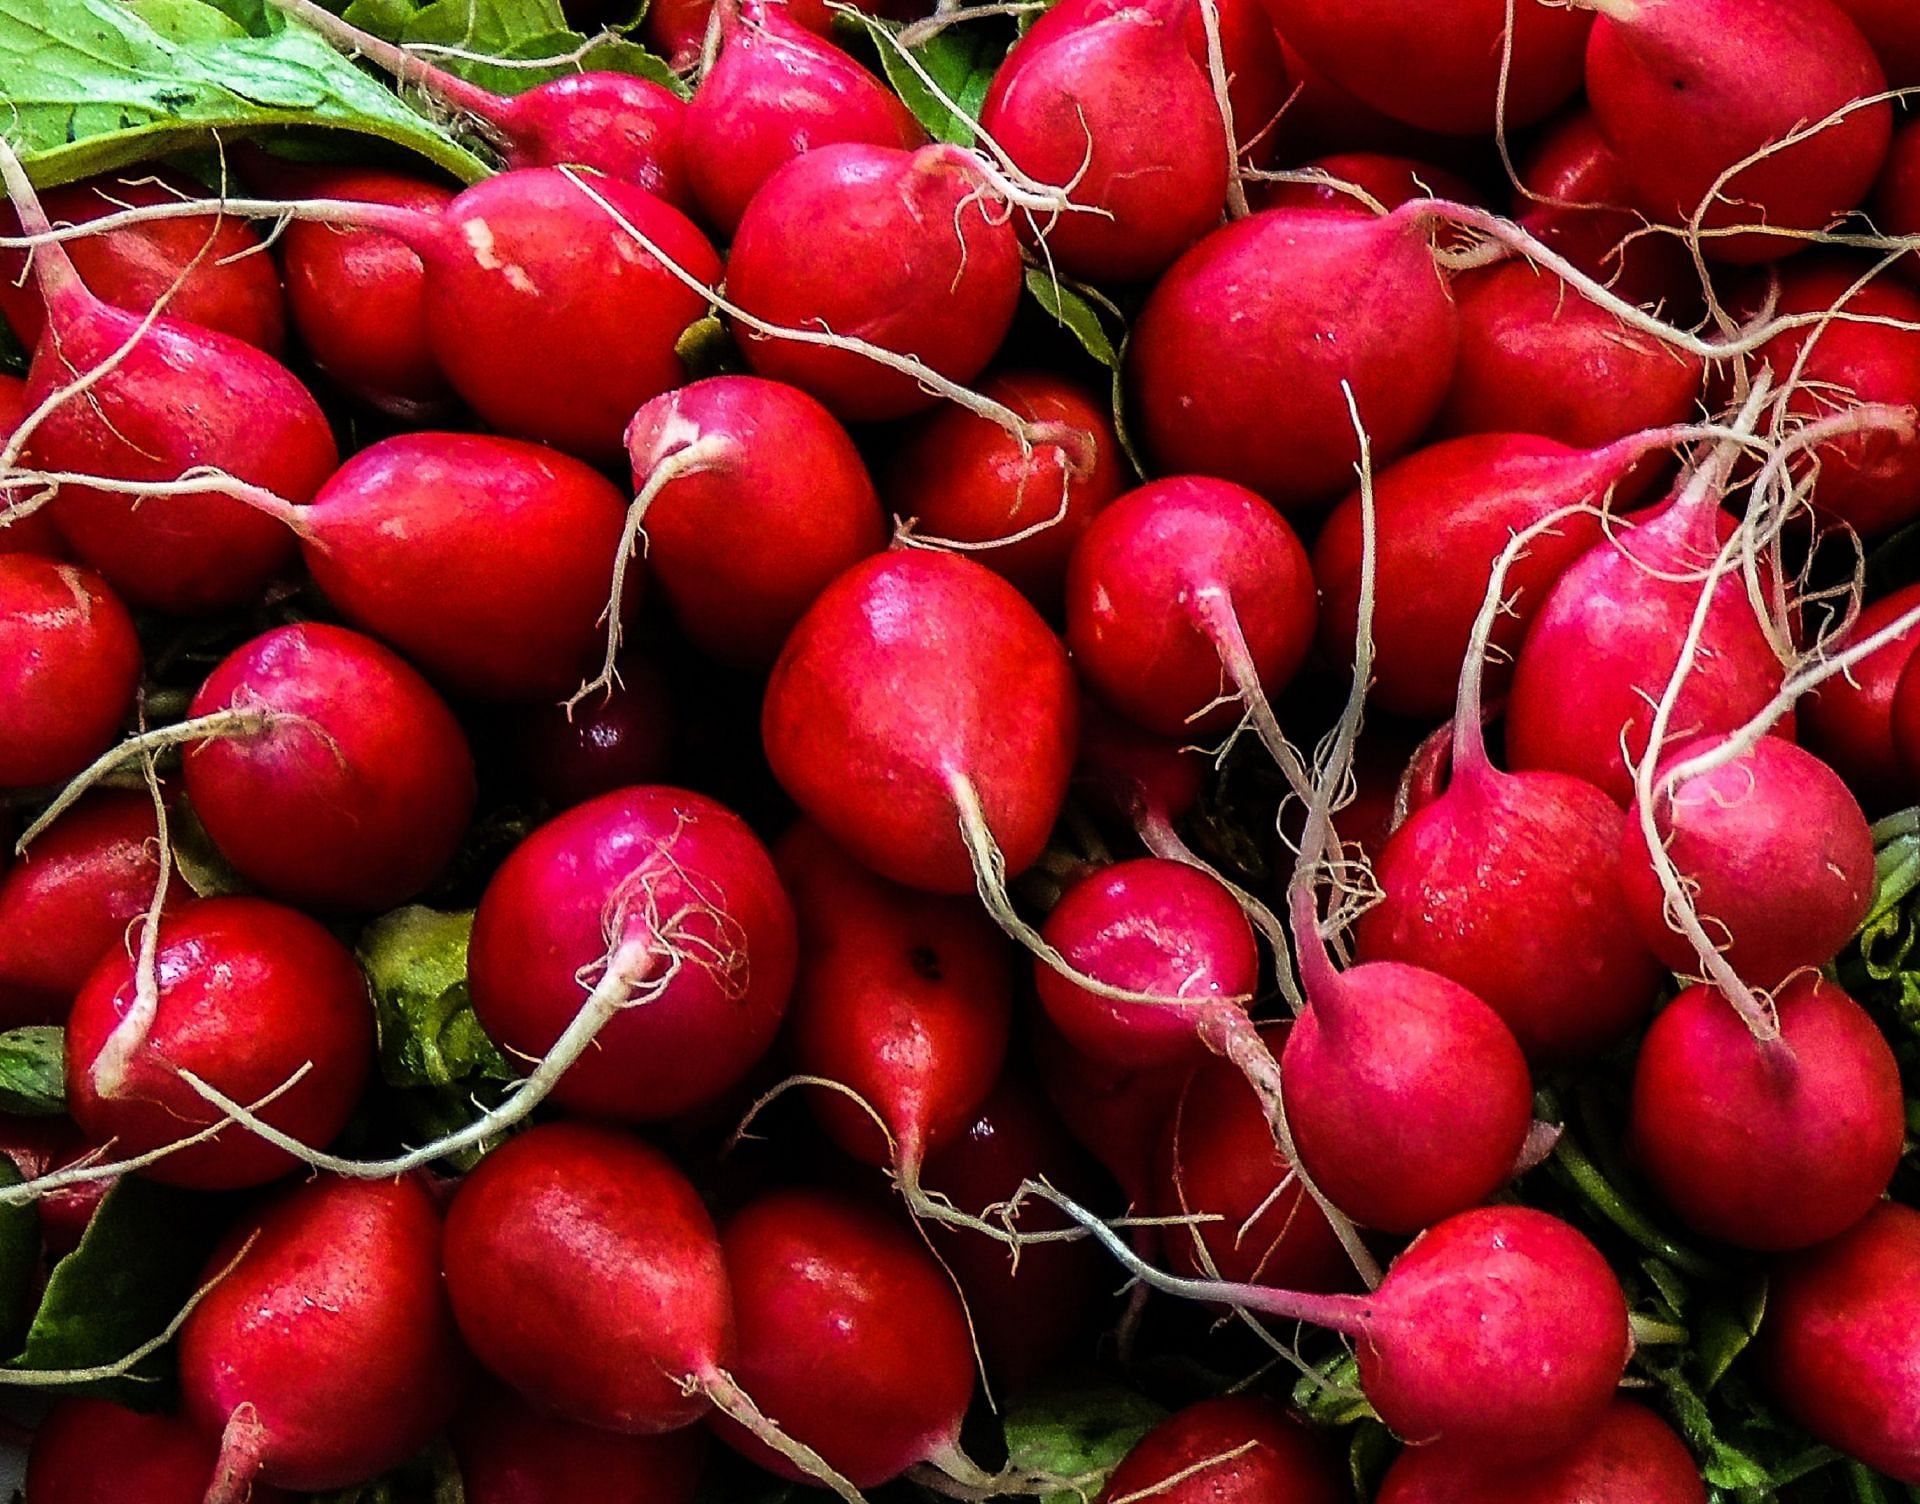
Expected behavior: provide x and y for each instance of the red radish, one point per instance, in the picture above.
(69, 668)
(1768, 1144)
(1897, 199)
(1102, 98)
(1839, 1344)
(651, 918)
(1147, 780)
(326, 1354)
(775, 91)
(247, 994)
(607, 742)
(903, 250)
(1323, 117)
(1233, 1450)
(1116, 1116)
(920, 714)
(1389, 180)
(1848, 721)
(70, 898)
(44, 1146)
(356, 792)
(486, 561)
(676, 30)
(510, 1454)
(960, 480)
(1771, 848)
(211, 269)
(1631, 1457)
(1322, 302)
(95, 1452)
(1894, 30)
(752, 500)
(29, 532)
(1686, 91)
(1904, 713)
(1256, 70)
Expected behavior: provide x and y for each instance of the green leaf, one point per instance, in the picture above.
(33, 1071)
(519, 31)
(1078, 1435)
(93, 85)
(1075, 311)
(706, 349)
(416, 960)
(960, 60)
(1728, 1326)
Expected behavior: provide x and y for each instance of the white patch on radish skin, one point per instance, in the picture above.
(479, 235)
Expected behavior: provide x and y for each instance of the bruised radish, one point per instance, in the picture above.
(95, 1452)
(29, 532)
(904, 250)
(326, 1354)
(511, 1454)
(1389, 180)
(250, 997)
(653, 918)
(69, 668)
(1236, 1449)
(606, 742)
(356, 790)
(1321, 302)
(1848, 721)
(1768, 1144)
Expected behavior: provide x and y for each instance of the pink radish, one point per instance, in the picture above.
(1232, 1450)
(30, 532)
(96, 1452)
(325, 1354)
(649, 924)
(1848, 722)
(606, 742)
(69, 668)
(1389, 180)
(511, 1454)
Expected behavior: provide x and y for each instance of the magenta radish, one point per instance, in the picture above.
(1236, 1449)
(326, 1354)
(511, 1454)
(1389, 180)
(606, 742)
(752, 499)
(28, 532)
(1768, 1144)
(1688, 91)
(907, 251)
(652, 920)
(69, 668)
(1320, 300)
(95, 1452)
(920, 714)
(1848, 722)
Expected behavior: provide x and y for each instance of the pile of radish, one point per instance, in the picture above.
(1052, 749)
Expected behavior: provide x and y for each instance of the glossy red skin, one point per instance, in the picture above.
(1318, 299)
(94, 1452)
(1686, 89)
(901, 249)
(69, 898)
(1110, 99)
(35, 532)
(904, 997)
(1409, 1097)
(1392, 180)
(1536, 357)
(1893, 29)
(249, 993)
(40, 1145)
(1773, 848)
(1132, 774)
(486, 561)
(1848, 721)
(852, 1339)
(626, 128)
(1117, 1116)
(1217, 1158)
(1443, 515)
(915, 669)
(1897, 198)
(1608, 635)
(745, 543)
(1768, 1146)
(333, 1328)
(956, 475)
(774, 92)
(1200, 1455)
(1631, 1457)
(609, 741)
(511, 1454)
(1152, 926)
(585, 1273)
(232, 287)
(69, 668)
(1135, 588)
(1436, 63)
(550, 319)
(1838, 1344)
(705, 877)
(358, 297)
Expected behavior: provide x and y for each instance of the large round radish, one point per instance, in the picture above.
(1848, 721)
(1233, 1450)
(97, 1452)
(512, 1454)
(69, 668)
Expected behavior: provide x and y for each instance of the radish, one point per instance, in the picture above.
(1322, 117)
(1117, 1116)
(1672, 84)
(1251, 65)
(676, 31)
(1849, 722)
(607, 742)
(1768, 1144)
(325, 1354)
(1232, 1450)
(905, 250)
(40, 1147)
(773, 92)
(25, 532)
(254, 998)
(1838, 1343)
(1897, 198)
(71, 668)
(1894, 30)
(649, 924)
(924, 717)
(1904, 713)
(510, 1454)
(1102, 98)
(1390, 181)
(1631, 1457)
(1322, 303)
(94, 1452)
(1149, 781)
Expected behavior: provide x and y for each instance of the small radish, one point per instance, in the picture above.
(96, 1452)
(652, 920)
(255, 999)
(923, 715)
(1848, 722)
(1768, 1144)
(1232, 1450)
(1389, 180)
(510, 1454)
(608, 741)
(1688, 91)
(773, 92)
(905, 250)
(325, 1353)
(26, 532)
(69, 668)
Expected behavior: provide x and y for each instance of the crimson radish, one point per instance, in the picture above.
(608, 741)
(1252, 64)
(1149, 781)
(1848, 721)
(1233, 1450)
(42, 1147)
(1117, 1116)
(511, 1454)
(1388, 180)
(69, 668)
(1904, 714)
(95, 1452)
(1897, 198)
